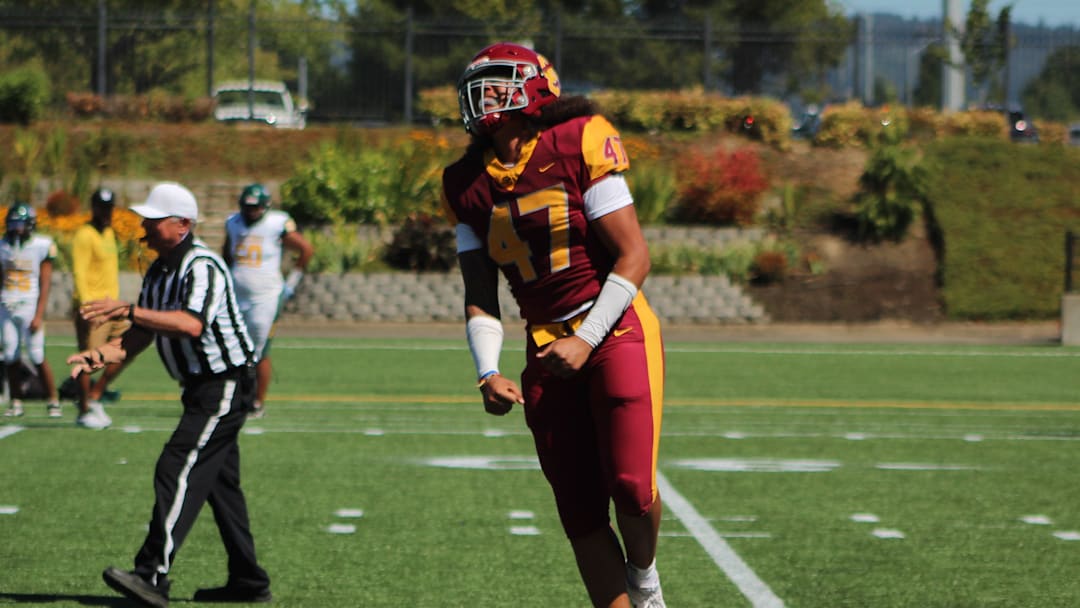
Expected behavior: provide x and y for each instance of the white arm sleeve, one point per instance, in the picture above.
(607, 195)
(615, 297)
(485, 342)
(466, 238)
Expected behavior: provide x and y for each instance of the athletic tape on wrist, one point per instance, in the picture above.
(615, 297)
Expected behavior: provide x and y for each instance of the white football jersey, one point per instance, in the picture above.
(21, 265)
(256, 252)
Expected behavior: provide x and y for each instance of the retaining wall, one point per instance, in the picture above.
(426, 297)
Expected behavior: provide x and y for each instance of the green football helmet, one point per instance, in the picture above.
(255, 195)
(21, 218)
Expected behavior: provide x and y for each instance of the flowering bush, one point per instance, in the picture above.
(720, 188)
(127, 225)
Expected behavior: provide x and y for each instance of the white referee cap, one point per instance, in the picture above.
(169, 199)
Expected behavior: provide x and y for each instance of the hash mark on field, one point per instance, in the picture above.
(887, 533)
(1036, 520)
(8, 509)
(1067, 535)
(752, 587)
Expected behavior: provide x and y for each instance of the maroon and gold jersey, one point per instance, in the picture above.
(531, 217)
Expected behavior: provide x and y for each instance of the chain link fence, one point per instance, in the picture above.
(375, 69)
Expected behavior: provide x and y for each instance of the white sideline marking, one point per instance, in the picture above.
(8, 431)
(756, 465)
(752, 587)
(1036, 520)
(722, 534)
(917, 466)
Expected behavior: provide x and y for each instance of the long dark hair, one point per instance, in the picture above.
(557, 112)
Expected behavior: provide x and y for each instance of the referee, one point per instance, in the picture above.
(188, 307)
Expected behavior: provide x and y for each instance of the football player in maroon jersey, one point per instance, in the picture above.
(540, 196)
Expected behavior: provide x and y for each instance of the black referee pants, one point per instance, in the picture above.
(201, 463)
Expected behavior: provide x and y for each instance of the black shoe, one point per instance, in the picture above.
(135, 587)
(235, 594)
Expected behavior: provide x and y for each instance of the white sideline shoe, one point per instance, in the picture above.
(99, 410)
(14, 410)
(54, 410)
(90, 420)
(650, 597)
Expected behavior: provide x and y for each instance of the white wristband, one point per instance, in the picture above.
(615, 297)
(294, 278)
(485, 342)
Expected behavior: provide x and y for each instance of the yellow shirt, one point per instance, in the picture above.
(95, 264)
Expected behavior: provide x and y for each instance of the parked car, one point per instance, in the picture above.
(807, 123)
(270, 102)
(1074, 134)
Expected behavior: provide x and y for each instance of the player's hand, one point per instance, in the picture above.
(35, 324)
(500, 394)
(566, 356)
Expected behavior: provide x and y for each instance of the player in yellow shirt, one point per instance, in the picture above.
(96, 269)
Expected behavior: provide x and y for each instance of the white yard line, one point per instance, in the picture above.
(8, 431)
(723, 555)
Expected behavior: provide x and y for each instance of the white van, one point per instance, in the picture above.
(272, 104)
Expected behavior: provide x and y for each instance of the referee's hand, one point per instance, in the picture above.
(89, 361)
(86, 362)
(105, 309)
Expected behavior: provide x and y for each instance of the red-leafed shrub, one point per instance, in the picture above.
(720, 187)
(769, 266)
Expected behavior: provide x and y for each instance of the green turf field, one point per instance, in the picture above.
(807, 475)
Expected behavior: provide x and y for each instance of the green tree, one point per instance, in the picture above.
(791, 37)
(161, 44)
(928, 87)
(1055, 93)
(985, 46)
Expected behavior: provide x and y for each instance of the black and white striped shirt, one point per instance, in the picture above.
(194, 278)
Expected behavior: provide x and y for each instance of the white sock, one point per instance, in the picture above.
(643, 578)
